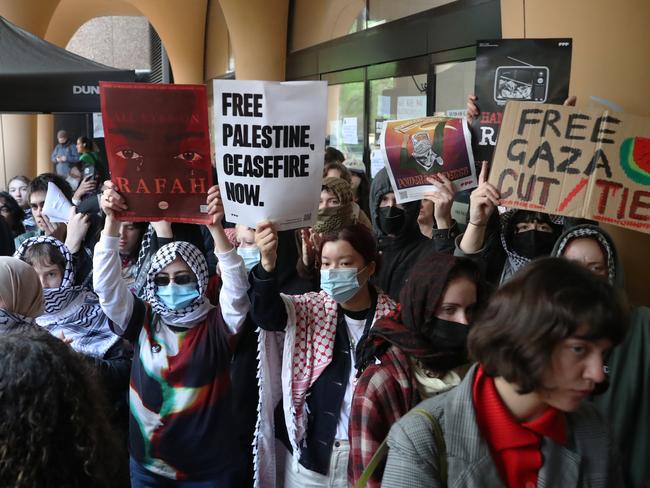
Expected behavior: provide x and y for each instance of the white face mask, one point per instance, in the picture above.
(250, 255)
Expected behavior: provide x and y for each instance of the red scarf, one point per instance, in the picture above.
(515, 446)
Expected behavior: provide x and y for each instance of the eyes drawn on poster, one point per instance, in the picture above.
(525, 83)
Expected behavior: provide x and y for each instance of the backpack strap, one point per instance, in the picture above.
(439, 440)
(382, 451)
(377, 458)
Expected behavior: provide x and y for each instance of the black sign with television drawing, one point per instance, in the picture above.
(533, 70)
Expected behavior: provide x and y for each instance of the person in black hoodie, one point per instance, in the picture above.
(398, 235)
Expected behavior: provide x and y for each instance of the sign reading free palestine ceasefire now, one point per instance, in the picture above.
(574, 162)
(269, 144)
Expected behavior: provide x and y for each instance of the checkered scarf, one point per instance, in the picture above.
(56, 299)
(196, 310)
(515, 261)
(9, 320)
(71, 310)
(591, 232)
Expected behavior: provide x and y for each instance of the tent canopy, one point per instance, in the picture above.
(37, 76)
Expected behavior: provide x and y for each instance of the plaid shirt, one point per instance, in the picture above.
(384, 393)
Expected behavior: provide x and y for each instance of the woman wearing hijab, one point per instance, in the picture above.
(181, 427)
(21, 295)
(308, 347)
(414, 354)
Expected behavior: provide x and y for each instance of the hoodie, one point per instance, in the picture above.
(626, 403)
(398, 253)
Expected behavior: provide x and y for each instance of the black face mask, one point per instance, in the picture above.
(447, 334)
(449, 339)
(391, 220)
(533, 243)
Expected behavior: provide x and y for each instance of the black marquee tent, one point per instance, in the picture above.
(37, 76)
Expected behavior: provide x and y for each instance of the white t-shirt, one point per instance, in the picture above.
(355, 331)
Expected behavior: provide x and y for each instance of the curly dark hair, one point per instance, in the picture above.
(53, 427)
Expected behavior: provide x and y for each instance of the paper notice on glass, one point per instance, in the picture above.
(383, 106)
(335, 127)
(98, 126)
(411, 106)
(349, 130)
(269, 141)
(416, 149)
(56, 207)
(376, 162)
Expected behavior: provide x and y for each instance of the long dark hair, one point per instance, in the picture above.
(17, 213)
(53, 427)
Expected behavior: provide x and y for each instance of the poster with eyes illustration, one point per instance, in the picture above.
(158, 149)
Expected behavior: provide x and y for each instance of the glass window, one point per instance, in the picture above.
(393, 98)
(454, 81)
(382, 11)
(316, 21)
(345, 118)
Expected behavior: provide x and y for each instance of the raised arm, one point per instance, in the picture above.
(267, 307)
(483, 201)
(233, 296)
(114, 296)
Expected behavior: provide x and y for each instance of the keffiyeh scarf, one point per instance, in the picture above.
(72, 311)
(196, 310)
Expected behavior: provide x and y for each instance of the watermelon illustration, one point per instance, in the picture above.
(635, 159)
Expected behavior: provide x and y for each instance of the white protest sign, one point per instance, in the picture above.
(56, 206)
(269, 144)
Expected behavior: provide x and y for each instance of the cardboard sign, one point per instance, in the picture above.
(534, 70)
(415, 149)
(580, 163)
(269, 140)
(158, 148)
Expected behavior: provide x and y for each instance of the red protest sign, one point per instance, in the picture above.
(158, 149)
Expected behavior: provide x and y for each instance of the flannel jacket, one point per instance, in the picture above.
(587, 460)
(384, 393)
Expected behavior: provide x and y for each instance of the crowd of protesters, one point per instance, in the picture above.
(387, 345)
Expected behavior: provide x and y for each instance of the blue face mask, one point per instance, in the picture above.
(340, 283)
(250, 255)
(176, 296)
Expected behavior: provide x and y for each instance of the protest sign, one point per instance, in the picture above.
(56, 207)
(535, 70)
(269, 142)
(158, 148)
(415, 149)
(580, 163)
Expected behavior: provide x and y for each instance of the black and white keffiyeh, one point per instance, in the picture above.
(10, 320)
(199, 307)
(71, 310)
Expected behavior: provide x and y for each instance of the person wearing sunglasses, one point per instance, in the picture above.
(180, 391)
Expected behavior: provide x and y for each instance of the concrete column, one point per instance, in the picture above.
(258, 32)
(17, 146)
(44, 131)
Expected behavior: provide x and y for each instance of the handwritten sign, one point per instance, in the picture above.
(579, 163)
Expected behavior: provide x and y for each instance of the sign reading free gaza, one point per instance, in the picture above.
(579, 163)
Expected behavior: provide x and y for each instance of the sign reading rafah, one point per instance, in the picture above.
(580, 163)
(269, 141)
